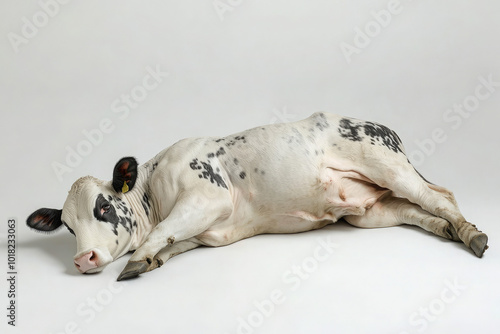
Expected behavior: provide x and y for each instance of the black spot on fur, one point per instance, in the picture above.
(145, 203)
(221, 151)
(321, 122)
(207, 172)
(194, 164)
(348, 130)
(294, 138)
(240, 138)
(235, 140)
(256, 170)
(383, 135)
(243, 175)
(111, 215)
(378, 134)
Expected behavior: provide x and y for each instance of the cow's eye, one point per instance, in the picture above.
(105, 207)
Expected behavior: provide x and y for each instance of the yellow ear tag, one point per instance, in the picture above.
(125, 187)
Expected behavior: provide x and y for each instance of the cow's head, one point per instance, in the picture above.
(98, 214)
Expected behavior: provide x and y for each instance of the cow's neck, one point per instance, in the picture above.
(135, 198)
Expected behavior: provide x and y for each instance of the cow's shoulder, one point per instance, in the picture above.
(191, 163)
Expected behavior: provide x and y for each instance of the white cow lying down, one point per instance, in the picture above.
(281, 178)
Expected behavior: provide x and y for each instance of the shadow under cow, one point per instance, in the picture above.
(60, 246)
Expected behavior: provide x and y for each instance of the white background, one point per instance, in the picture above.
(260, 62)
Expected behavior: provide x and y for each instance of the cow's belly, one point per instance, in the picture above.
(334, 195)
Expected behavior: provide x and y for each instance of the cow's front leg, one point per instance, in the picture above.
(170, 251)
(191, 215)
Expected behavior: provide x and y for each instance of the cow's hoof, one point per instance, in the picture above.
(479, 244)
(133, 269)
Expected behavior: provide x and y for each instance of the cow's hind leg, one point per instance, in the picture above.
(400, 177)
(392, 211)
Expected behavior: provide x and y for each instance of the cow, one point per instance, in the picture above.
(278, 178)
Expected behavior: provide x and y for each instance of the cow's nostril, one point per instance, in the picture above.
(87, 261)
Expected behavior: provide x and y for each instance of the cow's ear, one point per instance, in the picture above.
(125, 174)
(45, 220)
